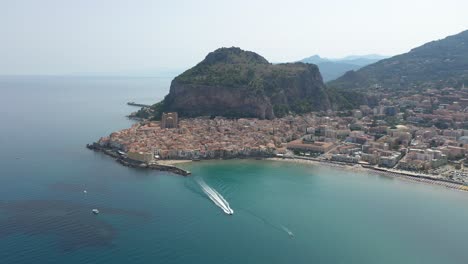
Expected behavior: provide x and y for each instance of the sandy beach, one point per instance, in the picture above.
(172, 162)
(409, 176)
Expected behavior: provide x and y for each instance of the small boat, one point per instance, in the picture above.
(95, 211)
(85, 191)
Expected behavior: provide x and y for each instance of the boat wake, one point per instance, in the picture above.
(214, 196)
(278, 227)
(285, 229)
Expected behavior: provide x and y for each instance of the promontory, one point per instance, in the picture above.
(231, 82)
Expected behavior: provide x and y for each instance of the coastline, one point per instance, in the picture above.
(173, 162)
(379, 171)
(168, 166)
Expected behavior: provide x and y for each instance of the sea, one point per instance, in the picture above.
(282, 212)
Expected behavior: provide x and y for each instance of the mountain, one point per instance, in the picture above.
(232, 82)
(331, 70)
(361, 60)
(433, 65)
(315, 59)
(334, 68)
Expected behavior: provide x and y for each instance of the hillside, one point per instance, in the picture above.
(435, 64)
(334, 68)
(231, 82)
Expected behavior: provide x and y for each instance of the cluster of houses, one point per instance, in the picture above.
(417, 132)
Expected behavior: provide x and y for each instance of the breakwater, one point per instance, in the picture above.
(122, 159)
(137, 104)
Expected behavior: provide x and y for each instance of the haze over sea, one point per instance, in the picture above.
(336, 216)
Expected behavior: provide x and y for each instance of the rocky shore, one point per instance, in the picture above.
(122, 159)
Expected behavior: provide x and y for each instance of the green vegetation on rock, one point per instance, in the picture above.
(433, 65)
(232, 82)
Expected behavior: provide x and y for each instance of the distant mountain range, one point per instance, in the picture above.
(334, 68)
(433, 65)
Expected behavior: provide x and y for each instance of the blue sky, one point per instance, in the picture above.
(115, 36)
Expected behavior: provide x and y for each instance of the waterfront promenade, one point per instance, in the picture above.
(405, 175)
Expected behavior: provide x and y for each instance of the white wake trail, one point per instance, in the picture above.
(290, 233)
(214, 196)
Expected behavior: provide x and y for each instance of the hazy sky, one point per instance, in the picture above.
(73, 36)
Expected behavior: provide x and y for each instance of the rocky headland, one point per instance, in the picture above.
(234, 83)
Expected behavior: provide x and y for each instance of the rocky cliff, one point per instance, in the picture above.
(232, 82)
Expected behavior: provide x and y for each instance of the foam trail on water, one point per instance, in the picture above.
(290, 233)
(214, 196)
(280, 228)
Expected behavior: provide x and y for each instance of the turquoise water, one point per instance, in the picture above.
(333, 216)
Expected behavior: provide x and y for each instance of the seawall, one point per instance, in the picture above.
(137, 164)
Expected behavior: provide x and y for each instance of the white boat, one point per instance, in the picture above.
(95, 211)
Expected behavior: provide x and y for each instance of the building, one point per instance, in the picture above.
(371, 158)
(390, 110)
(330, 133)
(345, 158)
(310, 130)
(357, 113)
(419, 159)
(317, 147)
(169, 120)
(389, 161)
(453, 152)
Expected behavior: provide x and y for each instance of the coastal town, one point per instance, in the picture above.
(425, 133)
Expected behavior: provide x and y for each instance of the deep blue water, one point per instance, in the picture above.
(153, 217)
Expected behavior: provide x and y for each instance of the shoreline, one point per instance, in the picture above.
(169, 165)
(409, 176)
(173, 162)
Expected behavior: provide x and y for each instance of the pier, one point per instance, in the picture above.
(139, 105)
